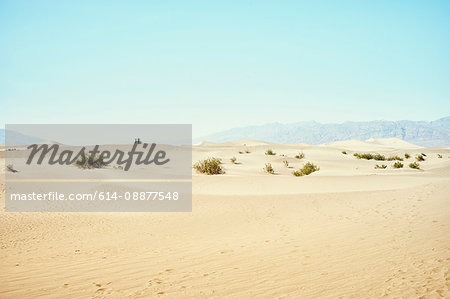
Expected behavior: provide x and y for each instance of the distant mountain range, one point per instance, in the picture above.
(15, 138)
(423, 133)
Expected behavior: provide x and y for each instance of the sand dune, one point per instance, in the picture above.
(373, 144)
(348, 230)
(392, 142)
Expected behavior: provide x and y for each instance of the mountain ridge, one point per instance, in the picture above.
(16, 138)
(423, 133)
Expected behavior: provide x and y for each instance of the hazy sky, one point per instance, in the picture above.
(222, 64)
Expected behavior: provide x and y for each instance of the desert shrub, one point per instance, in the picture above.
(439, 156)
(10, 168)
(209, 166)
(90, 162)
(269, 169)
(393, 158)
(423, 154)
(420, 158)
(269, 152)
(379, 157)
(233, 160)
(407, 156)
(397, 165)
(414, 165)
(247, 151)
(344, 153)
(300, 155)
(307, 169)
(383, 166)
(286, 163)
(241, 153)
(363, 156)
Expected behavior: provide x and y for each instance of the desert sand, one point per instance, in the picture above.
(347, 230)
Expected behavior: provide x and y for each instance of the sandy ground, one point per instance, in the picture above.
(348, 230)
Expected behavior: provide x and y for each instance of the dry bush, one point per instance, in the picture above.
(269, 169)
(307, 169)
(300, 155)
(270, 152)
(382, 166)
(397, 165)
(363, 156)
(414, 165)
(379, 157)
(10, 168)
(420, 158)
(209, 166)
(393, 158)
(89, 162)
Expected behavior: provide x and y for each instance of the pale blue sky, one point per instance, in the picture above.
(222, 64)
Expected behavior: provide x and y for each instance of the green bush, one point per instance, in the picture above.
(368, 156)
(420, 158)
(393, 158)
(286, 163)
(269, 169)
(439, 156)
(344, 153)
(363, 156)
(414, 165)
(397, 165)
(233, 160)
(300, 155)
(383, 166)
(209, 166)
(407, 156)
(269, 152)
(307, 169)
(88, 162)
(379, 157)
